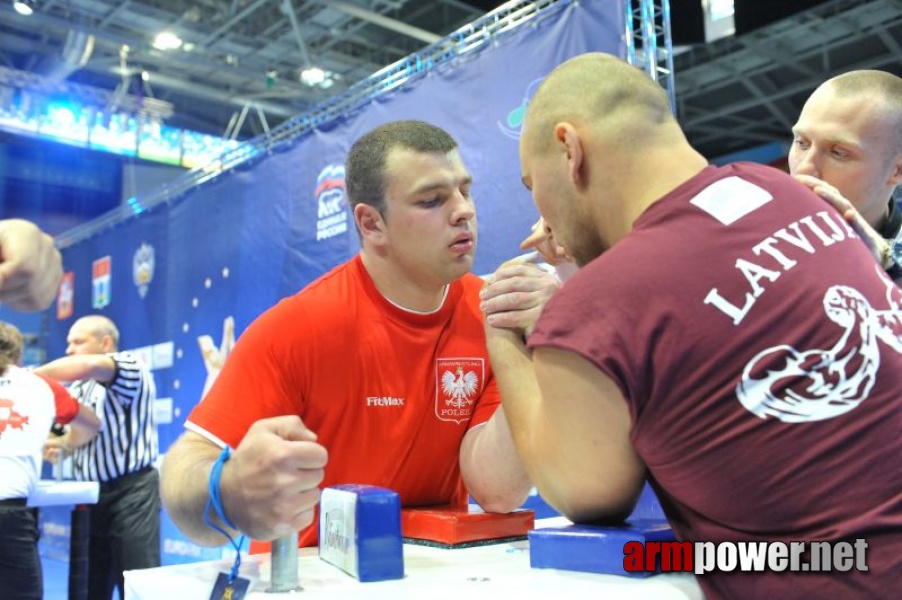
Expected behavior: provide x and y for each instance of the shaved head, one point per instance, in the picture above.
(595, 137)
(603, 90)
(89, 335)
(100, 326)
(849, 134)
(884, 92)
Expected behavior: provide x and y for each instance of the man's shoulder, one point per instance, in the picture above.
(129, 367)
(772, 179)
(320, 303)
(127, 359)
(331, 282)
(19, 378)
(471, 284)
(326, 286)
(465, 294)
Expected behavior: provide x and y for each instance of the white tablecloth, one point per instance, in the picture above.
(50, 492)
(496, 572)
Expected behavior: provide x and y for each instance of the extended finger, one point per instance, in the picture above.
(538, 236)
(302, 483)
(523, 320)
(519, 269)
(287, 427)
(511, 289)
(515, 301)
(308, 455)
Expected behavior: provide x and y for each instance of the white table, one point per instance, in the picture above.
(49, 492)
(78, 494)
(486, 572)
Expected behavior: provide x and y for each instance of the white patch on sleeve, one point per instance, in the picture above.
(730, 199)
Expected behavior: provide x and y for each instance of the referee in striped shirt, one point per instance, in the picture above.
(125, 522)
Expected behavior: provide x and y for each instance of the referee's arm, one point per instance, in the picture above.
(99, 367)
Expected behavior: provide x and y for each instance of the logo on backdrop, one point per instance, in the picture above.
(331, 213)
(214, 358)
(142, 268)
(204, 309)
(513, 123)
(458, 384)
(101, 282)
(65, 296)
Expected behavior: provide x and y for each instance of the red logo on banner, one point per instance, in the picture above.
(101, 282)
(65, 296)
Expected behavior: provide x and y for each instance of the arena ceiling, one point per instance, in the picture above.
(747, 90)
(240, 66)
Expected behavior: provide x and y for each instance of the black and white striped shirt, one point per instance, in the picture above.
(127, 441)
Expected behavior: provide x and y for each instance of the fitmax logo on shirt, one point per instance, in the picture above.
(384, 401)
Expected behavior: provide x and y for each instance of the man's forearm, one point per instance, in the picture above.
(99, 367)
(512, 365)
(183, 487)
(521, 397)
(491, 467)
(82, 428)
(577, 451)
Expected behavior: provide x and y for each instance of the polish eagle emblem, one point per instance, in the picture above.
(459, 386)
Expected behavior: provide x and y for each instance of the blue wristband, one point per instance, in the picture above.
(215, 502)
(213, 485)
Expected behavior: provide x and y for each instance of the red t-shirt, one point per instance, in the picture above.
(389, 393)
(760, 350)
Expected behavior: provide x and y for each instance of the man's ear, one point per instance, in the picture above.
(369, 222)
(572, 145)
(896, 175)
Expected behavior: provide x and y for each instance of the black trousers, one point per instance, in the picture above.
(20, 564)
(125, 531)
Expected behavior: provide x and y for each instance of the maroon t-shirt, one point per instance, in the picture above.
(759, 347)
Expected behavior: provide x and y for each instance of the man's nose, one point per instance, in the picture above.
(808, 164)
(463, 208)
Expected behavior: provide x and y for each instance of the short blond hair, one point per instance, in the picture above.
(884, 88)
(100, 326)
